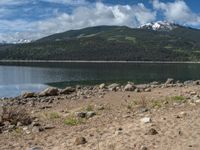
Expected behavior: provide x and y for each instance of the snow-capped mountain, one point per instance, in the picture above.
(15, 41)
(159, 26)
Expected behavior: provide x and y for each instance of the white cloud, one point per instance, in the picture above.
(12, 2)
(177, 11)
(82, 16)
(69, 2)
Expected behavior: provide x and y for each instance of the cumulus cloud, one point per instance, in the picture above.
(177, 11)
(82, 16)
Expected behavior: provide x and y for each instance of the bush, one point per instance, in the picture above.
(15, 115)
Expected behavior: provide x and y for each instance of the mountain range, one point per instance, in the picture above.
(156, 41)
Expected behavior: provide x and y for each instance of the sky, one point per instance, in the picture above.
(33, 19)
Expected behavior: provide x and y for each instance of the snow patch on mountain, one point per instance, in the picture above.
(159, 26)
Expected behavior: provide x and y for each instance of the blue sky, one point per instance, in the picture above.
(33, 19)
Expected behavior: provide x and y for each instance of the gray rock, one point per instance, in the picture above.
(113, 87)
(147, 90)
(49, 92)
(154, 83)
(152, 131)
(81, 114)
(129, 87)
(169, 81)
(80, 141)
(28, 95)
(102, 86)
(189, 82)
(68, 90)
(90, 114)
(145, 120)
(36, 148)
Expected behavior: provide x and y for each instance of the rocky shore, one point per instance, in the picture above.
(102, 117)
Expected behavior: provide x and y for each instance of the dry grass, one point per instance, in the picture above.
(15, 115)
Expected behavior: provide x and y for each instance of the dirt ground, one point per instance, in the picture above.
(174, 118)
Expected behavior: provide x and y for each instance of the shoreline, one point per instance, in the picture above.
(98, 61)
(158, 115)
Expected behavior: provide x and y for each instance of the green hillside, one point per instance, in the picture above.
(111, 43)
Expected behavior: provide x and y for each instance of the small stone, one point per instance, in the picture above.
(80, 141)
(152, 131)
(147, 90)
(113, 87)
(145, 120)
(102, 86)
(169, 81)
(36, 148)
(68, 90)
(129, 87)
(48, 127)
(193, 93)
(90, 114)
(143, 109)
(35, 129)
(28, 95)
(144, 148)
(81, 114)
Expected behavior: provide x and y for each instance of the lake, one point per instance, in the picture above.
(16, 78)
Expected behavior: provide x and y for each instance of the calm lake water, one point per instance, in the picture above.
(16, 78)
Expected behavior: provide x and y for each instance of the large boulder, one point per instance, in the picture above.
(49, 92)
(169, 81)
(28, 95)
(129, 87)
(67, 90)
(113, 87)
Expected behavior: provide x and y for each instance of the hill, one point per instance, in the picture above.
(168, 42)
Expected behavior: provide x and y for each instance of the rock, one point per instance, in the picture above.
(189, 82)
(154, 83)
(193, 93)
(143, 109)
(102, 86)
(147, 90)
(80, 141)
(113, 87)
(49, 92)
(90, 114)
(144, 148)
(142, 87)
(197, 101)
(152, 131)
(169, 81)
(68, 90)
(48, 127)
(129, 87)
(28, 95)
(145, 120)
(81, 114)
(197, 82)
(36, 148)
(45, 107)
(36, 129)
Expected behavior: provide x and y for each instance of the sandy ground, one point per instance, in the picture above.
(117, 124)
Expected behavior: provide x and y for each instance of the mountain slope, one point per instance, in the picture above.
(111, 43)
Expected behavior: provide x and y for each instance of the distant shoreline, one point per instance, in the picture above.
(100, 61)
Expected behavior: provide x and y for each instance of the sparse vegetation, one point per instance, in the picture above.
(72, 121)
(178, 98)
(156, 103)
(54, 115)
(15, 115)
(89, 108)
